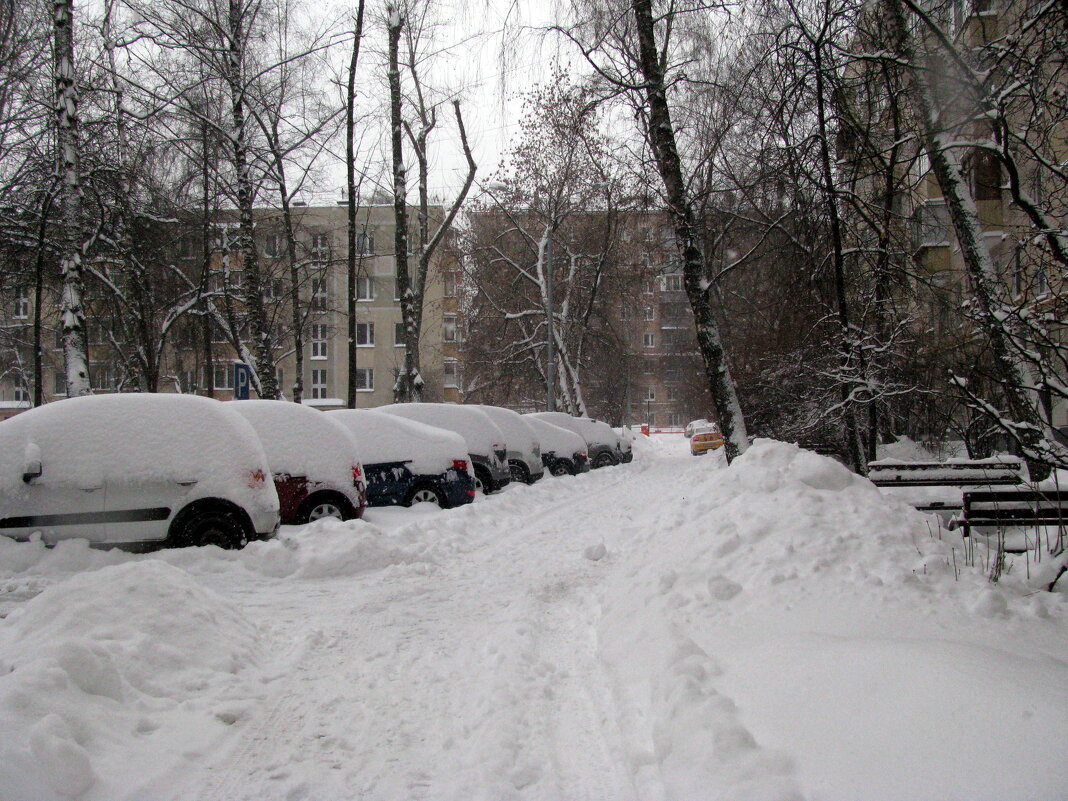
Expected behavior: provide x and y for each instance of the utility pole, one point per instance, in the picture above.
(550, 349)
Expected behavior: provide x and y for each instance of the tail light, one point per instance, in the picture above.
(460, 464)
(256, 479)
(584, 455)
(357, 475)
(471, 493)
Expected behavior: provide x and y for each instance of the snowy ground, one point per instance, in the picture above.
(669, 630)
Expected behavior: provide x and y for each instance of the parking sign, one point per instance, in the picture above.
(242, 380)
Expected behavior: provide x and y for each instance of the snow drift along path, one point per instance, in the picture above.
(667, 630)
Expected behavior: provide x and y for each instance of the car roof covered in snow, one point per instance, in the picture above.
(518, 434)
(593, 431)
(301, 441)
(390, 438)
(482, 435)
(556, 439)
(85, 441)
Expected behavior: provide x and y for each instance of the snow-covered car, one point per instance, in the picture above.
(602, 443)
(705, 438)
(693, 425)
(524, 449)
(314, 461)
(563, 452)
(135, 468)
(626, 444)
(406, 462)
(485, 441)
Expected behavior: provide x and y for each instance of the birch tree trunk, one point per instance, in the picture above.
(72, 320)
(661, 135)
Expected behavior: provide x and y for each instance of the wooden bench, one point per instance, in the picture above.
(1004, 508)
(986, 473)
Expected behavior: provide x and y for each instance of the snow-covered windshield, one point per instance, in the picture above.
(389, 438)
(480, 433)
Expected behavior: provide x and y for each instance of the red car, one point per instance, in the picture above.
(314, 461)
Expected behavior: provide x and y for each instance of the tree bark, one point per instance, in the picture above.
(661, 135)
(351, 200)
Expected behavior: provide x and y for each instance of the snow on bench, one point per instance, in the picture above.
(1011, 508)
(956, 473)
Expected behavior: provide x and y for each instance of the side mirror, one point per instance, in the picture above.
(31, 471)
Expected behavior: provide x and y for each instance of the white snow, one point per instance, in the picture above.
(554, 439)
(389, 438)
(670, 629)
(482, 435)
(593, 431)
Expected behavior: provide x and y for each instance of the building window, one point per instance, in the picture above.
(320, 245)
(365, 243)
(365, 288)
(650, 418)
(59, 385)
(448, 328)
(450, 284)
(649, 340)
(674, 419)
(318, 384)
(318, 341)
(187, 381)
(218, 335)
(22, 394)
(280, 377)
(22, 303)
(319, 294)
(398, 335)
(396, 288)
(223, 376)
(673, 283)
(450, 373)
(650, 393)
(365, 379)
(648, 313)
(673, 393)
(986, 176)
(365, 335)
(271, 246)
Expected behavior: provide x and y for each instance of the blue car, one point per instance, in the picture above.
(405, 462)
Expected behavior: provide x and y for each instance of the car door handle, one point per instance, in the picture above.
(186, 482)
(91, 489)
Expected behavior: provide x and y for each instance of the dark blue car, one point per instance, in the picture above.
(406, 462)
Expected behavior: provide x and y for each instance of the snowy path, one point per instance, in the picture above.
(475, 678)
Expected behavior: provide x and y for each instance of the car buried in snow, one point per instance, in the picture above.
(135, 469)
(705, 438)
(485, 441)
(406, 462)
(314, 461)
(563, 452)
(524, 450)
(603, 445)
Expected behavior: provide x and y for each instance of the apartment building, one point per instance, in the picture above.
(197, 353)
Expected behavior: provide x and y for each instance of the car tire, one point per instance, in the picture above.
(483, 480)
(604, 459)
(425, 493)
(210, 525)
(325, 504)
(561, 468)
(519, 472)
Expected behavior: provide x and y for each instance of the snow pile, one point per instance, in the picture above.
(330, 548)
(788, 631)
(104, 668)
(387, 438)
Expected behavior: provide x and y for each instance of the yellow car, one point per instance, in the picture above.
(705, 440)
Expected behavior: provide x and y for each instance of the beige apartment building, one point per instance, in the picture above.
(198, 355)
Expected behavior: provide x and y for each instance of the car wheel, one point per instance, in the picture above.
(425, 494)
(482, 480)
(604, 459)
(519, 473)
(212, 526)
(323, 505)
(560, 468)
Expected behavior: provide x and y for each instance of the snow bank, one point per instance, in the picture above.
(102, 667)
(787, 631)
(389, 438)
